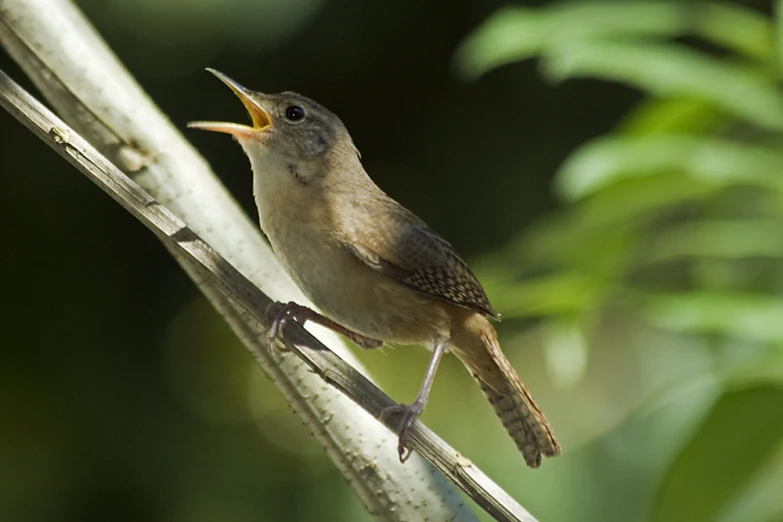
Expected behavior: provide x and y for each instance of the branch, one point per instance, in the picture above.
(72, 67)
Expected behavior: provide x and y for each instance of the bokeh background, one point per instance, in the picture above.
(612, 170)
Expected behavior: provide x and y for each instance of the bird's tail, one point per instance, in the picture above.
(475, 343)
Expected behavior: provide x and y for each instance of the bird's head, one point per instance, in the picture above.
(289, 132)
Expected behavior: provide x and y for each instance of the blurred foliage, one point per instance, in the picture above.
(676, 216)
(642, 304)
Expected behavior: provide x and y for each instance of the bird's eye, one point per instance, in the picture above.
(294, 113)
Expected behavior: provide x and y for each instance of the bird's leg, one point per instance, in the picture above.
(302, 314)
(409, 413)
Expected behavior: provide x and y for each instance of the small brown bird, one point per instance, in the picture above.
(376, 271)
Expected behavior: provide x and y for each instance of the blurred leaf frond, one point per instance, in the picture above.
(690, 179)
(675, 217)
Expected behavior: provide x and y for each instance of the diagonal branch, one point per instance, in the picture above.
(213, 269)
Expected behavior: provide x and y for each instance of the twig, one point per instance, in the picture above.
(254, 303)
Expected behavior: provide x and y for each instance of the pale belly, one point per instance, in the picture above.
(356, 296)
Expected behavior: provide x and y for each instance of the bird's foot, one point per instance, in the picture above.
(408, 416)
(281, 316)
(302, 314)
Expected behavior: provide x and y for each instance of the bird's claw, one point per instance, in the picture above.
(301, 314)
(365, 342)
(408, 416)
(287, 311)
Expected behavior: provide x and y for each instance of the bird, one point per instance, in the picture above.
(376, 272)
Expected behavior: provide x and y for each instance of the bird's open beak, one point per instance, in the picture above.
(261, 119)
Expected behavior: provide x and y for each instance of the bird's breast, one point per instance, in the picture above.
(343, 287)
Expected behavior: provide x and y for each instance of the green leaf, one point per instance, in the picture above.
(634, 199)
(715, 161)
(735, 27)
(753, 317)
(671, 70)
(729, 239)
(518, 33)
(673, 116)
(743, 430)
(509, 35)
(596, 238)
(761, 498)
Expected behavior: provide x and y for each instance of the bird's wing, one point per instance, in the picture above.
(405, 249)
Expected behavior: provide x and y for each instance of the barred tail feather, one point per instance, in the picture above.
(478, 348)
